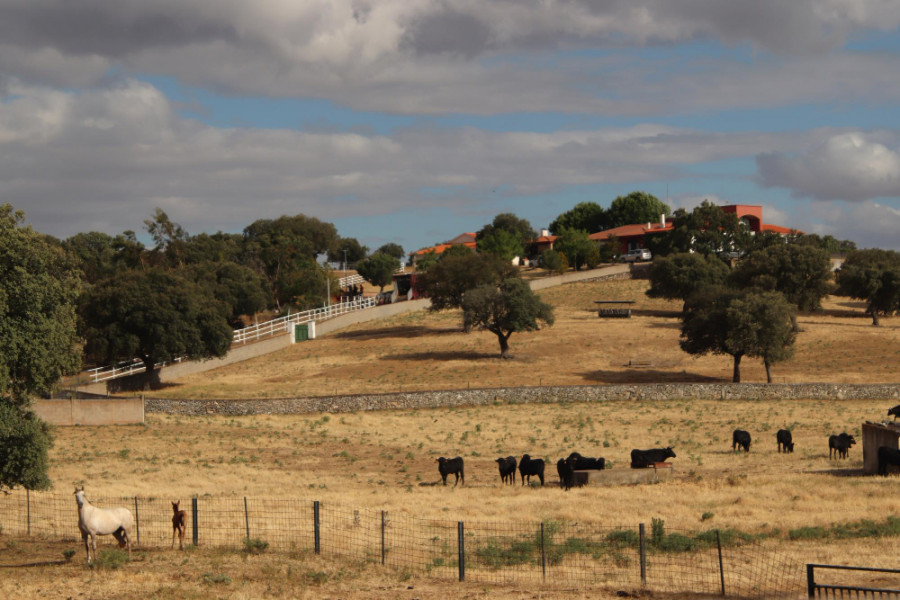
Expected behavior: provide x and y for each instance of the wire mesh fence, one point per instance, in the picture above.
(567, 553)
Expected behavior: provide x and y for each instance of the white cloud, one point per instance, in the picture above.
(851, 166)
(427, 57)
(870, 224)
(104, 159)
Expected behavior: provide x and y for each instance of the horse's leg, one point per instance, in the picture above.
(174, 532)
(181, 536)
(87, 547)
(93, 546)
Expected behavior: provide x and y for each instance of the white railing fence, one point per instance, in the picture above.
(279, 326)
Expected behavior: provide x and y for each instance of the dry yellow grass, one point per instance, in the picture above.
(381, 460)
(420, 351)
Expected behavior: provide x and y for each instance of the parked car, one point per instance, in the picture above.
(637, 255)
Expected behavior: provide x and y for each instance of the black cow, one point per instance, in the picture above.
(451, 465)
(840, 445)
(740, 438)
(895, 412)
(507, 468)
(644, 458)
(531, 466)
(785, 441)
(887, 456)
(580, 463)
(566, 473)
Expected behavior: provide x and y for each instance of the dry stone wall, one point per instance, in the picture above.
(526, 395)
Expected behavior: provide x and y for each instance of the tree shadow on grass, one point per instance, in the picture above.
(639, 375)
(401, 331)
(836, 472)
(446, 355)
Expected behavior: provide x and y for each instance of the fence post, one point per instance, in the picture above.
(721, 569)
(643, 553)
(543, 556)
(194, 519)
(810, 581)
(246, 518)
(382, 537)
(28, 508)
(137, 521)
(316, 525)
(460, 534)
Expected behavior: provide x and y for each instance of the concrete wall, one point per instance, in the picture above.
(525, 395)
(80, 411)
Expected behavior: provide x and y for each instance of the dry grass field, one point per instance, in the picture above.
(385, 460)
(419, 351)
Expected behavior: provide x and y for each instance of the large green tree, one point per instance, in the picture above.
(874, 276)
(636, 207)
(762, 325)
(453, 275)
(503, 244)
(705, 325)
(504, 309)
(155, 316)
(677, 276)
(802, 272)
(378, 269)
(38, 343)
(577, 247)
(586, 216)
(392, 249)
(347, 251)
(238, 290)
(707, 230)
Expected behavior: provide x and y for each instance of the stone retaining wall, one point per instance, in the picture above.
(528, 395)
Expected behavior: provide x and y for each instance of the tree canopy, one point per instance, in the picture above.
(503, 244)
(355, 251)
(453, 275)
(392, 249)
(678, 276)
(721, 320)
(706, 230)
(38, 343)
(577, 247)
(636, 207)
(378, 269)
(504, 309)
(584, 216)
(155, 316)
(874, 276)
(802, 272)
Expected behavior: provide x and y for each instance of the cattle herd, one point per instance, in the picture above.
(838, 447)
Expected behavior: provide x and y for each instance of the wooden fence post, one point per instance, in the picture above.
(721, 568)
(28, 508)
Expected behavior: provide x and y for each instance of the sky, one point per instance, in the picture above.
(411, 121)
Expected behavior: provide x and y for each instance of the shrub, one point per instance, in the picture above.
(112, 559)
(255, 546)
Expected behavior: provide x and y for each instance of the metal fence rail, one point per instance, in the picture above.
(857, 589)
(552, 552)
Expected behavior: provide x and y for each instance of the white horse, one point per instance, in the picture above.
(93, 521)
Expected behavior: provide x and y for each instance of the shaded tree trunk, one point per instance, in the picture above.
(768, 370)
(874, 314)
(736, 377)
(503, 338)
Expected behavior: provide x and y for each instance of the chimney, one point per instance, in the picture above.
(662, 219)
(545, 232)
(649, 225)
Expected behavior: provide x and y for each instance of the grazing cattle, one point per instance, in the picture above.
(447, 466)
(895, 412)
(840, 445)
(566, 473)
(531, 466)
(740, 439)
(580, 463)
(507, 468)
(785, 441)
(644, 458)
(887, 456)
(179, 524)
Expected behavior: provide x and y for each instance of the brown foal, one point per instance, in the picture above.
(179, 524)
